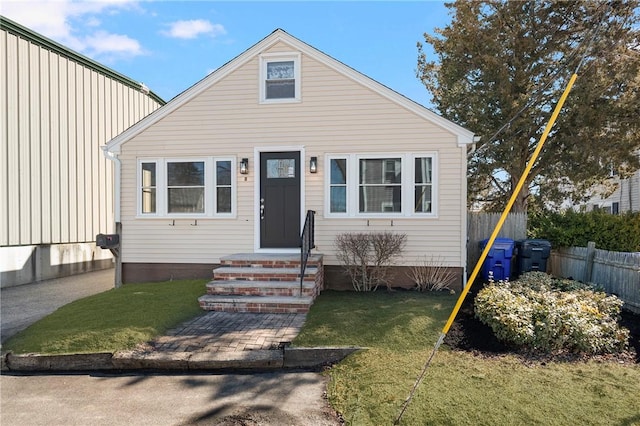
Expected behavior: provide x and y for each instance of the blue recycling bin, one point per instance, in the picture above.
(499, 259)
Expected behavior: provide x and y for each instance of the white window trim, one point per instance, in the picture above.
(158, 164)
(327, 185)
(234, 186)
(408, 186)
(265, 58)
(209, 188)
(434, 183)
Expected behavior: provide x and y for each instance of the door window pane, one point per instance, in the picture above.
(281, 168)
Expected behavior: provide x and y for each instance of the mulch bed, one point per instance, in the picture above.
(468, 334)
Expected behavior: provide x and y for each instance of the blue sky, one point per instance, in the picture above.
(170, 45)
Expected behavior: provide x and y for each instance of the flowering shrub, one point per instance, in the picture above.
(532, 313)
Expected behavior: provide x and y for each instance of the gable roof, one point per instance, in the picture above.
(464, 136)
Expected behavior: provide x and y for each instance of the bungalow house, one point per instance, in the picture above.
(225, 173)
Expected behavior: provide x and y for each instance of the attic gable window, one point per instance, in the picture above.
(279, 78)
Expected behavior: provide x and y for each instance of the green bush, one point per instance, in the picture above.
(541, 281)
(569, 228)
(532, 313)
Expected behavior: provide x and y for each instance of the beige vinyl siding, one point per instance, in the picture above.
(57, 110)
(336, 115)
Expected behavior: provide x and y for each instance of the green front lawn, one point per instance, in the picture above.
(401, 328)
(368, 388)
(114, 320)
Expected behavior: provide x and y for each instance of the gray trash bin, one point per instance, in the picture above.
(532, 255)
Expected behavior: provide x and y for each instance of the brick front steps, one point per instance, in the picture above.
(268, 283)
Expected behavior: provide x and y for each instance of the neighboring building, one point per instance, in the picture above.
(625, 198)
(232, 165)
(56, 192)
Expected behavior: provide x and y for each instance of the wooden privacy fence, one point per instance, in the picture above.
(481, 225)
(616, 272)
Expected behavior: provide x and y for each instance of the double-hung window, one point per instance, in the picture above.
(380, 185)
(147, 187)
(423, 184)
(338, 185)
(224, 186)
(202, 187)
(279, 78)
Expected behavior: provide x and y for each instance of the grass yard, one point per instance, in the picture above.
(400, 330)
(114, 320)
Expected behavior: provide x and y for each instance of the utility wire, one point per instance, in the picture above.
(498, 227)
(540, 92)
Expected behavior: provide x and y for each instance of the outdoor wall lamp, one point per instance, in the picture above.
(244, 166)
(313, 165)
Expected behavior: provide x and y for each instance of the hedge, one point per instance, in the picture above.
(569, 229)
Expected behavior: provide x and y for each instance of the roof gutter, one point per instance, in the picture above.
(472, 148)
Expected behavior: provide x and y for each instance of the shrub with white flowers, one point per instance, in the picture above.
(536, 312)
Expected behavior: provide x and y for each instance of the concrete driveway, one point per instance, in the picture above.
(23, 305)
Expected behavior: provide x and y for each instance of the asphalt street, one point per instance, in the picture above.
(233, 399)
(22, 305)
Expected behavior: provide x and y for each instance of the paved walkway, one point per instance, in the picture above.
(230, 332)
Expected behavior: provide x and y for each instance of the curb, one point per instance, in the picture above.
(285, 358)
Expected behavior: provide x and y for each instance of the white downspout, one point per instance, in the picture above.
(114, 157)
(116, 214)
(476, 139)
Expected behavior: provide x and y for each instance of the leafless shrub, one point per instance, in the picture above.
(432, 274)
(367, 257)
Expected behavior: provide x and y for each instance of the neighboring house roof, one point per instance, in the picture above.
(464, 136)
(23, 32)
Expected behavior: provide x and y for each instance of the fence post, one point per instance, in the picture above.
(591, 253)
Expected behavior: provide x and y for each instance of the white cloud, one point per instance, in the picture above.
(67, 22)
(47, 18)
(105, 43)
(194, 28)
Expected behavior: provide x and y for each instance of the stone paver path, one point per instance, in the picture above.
(231, 331)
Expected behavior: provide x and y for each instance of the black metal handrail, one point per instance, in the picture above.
(307, 243)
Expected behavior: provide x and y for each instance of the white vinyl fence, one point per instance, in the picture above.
(616, 272)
